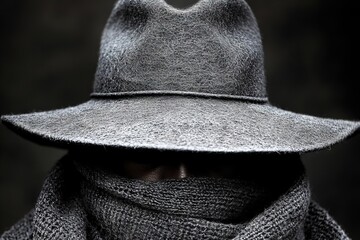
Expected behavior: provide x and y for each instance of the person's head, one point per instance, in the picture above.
(181, 80)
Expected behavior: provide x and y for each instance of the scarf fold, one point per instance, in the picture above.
(80, 201)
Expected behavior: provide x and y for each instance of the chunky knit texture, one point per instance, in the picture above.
(82, 202)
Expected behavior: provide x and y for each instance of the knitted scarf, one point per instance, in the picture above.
(80, 201)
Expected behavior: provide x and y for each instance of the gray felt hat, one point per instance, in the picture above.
(189, 80)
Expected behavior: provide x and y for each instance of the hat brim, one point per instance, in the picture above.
(181, 123)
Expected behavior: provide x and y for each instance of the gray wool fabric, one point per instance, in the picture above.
(186, 80)
(186, 123)
(214, 47)
(79, 201)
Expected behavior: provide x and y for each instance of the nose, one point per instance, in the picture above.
(156, 172)
(176, 171)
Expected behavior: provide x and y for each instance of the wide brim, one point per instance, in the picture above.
(181, 123)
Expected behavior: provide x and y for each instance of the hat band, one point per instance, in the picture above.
(178, 93)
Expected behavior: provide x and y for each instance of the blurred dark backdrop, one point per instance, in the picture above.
(48, 56)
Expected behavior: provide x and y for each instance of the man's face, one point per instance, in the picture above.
(159, 165)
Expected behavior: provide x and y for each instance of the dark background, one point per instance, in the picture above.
(48, 56)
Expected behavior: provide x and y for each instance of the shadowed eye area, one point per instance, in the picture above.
(263, 169)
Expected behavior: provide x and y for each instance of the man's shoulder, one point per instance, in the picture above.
(320, 225)
(22, 230)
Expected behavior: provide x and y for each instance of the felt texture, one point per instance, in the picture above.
(213, 47)
(189, 80)
(79, 201)
(183, 123)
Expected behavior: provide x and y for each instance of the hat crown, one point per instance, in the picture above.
(213, 47)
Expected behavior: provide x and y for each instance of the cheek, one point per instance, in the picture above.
(155, 173)
(139, 171)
